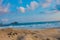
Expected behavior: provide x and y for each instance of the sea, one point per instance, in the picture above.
(34, 25)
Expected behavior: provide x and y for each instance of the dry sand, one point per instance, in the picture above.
(24, 34)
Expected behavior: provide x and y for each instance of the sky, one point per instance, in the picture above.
(29, 11)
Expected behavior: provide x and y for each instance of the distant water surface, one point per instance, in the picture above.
(35, 25)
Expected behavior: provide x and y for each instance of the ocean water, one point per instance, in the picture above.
(38, 25)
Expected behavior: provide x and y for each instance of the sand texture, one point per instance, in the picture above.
(23, 34)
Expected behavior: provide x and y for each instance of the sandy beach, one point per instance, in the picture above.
(24, 34)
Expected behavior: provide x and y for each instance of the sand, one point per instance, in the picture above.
(24, 34)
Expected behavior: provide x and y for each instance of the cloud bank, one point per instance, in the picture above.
(50, 10)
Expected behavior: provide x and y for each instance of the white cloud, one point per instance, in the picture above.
(57, 1)
(1, 2)
(22, 9)
(47, 3)
(33, 5)
(51, 12)
(52, 16)
(4, 9)
(55, 16)
(28, 7)
(4, 20)
(41, 18)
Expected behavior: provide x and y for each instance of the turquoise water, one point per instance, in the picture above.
(34, 25)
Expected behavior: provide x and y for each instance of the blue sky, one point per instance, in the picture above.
(29, 10)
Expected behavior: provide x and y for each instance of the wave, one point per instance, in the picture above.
(36, 25)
